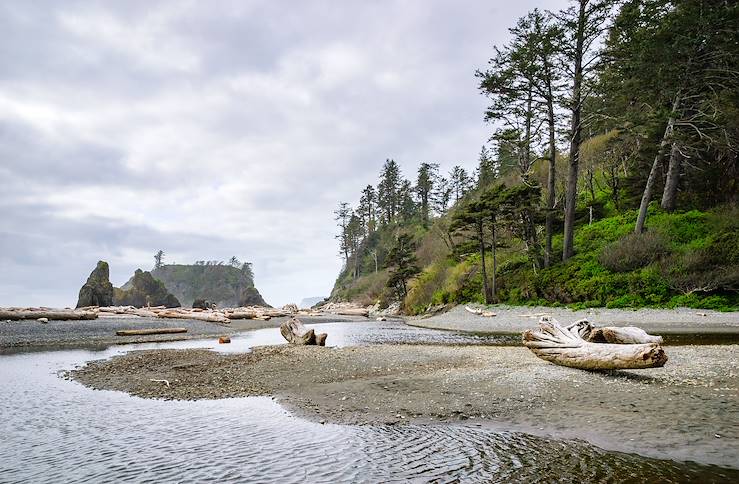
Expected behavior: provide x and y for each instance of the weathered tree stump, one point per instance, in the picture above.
(295, 333)
(567, 347)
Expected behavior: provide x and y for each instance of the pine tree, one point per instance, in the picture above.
(389, 192)
(486, 169)
(459, 183)
(427, 175)
(159, 259)
(367, 205)
(403, 264)
(342, 216)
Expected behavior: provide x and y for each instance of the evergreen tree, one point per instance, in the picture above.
(407, 209)
(582, 24)
(442, 195)
(460, 183)
(427, 175)
(403, 264)
(342, 216)
(159, 259)
(486, 169)
(367, 205)
(389, 192)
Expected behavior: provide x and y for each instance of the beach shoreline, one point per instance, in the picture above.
(684, 411)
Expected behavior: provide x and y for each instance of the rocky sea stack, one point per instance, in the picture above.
(144, 290)
(97, 291)
(221, 284)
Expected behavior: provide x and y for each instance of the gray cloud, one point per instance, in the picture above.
(211, 129)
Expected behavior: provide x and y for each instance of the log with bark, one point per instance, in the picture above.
(296, 333)
(146, 332)
(566, 346)
(15, 314)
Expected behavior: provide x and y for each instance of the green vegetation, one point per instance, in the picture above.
(645, 93)
(225, 285)
(144, 290)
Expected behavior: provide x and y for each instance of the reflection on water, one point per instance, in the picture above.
(55, 430)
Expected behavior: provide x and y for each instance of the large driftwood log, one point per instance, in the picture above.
(352, 312)
(480, 312)
(295, 333)
(209, 316)
(241, 314)
(566, 347)
(145, 332)
(15, 314)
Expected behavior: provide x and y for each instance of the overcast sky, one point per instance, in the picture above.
(221, 128)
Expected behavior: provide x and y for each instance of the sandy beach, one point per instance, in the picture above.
(693, 400)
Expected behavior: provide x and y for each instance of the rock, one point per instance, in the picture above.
(145, 291)
(203, 304)
(224, 340)
(43, 320)
(251, 297)
(97, 291)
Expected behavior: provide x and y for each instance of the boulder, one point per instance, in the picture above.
(203, 304)
(97, 291)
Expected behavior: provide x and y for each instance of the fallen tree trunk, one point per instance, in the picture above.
(295, 333)
(352, 312)
(50, 314)
(211, 317)
(144, 332)
(566, 347)
(241, 314)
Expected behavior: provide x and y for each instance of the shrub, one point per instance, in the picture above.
(633, 251)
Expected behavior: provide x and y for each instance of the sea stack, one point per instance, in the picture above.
(97, 291)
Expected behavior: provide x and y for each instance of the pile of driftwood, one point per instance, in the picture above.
(222, 316)
(342, 309)
(16, 314)
(580, 345)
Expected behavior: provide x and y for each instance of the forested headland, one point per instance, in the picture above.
(609, 179)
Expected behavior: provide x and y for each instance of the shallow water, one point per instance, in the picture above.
(54, 430)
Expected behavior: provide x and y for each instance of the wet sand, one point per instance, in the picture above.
(688, 410)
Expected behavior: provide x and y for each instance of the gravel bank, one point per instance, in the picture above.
(30, 334)
(687, 410)
(514, 319)
(15, 335)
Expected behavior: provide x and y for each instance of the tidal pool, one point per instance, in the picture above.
(56, 430)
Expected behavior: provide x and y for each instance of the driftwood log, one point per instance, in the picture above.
(145, 332)
(50, 314)
(480, 312)
(241, 314)
(209, 316)
(625, 335)
(567, 347)
(296, 333)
